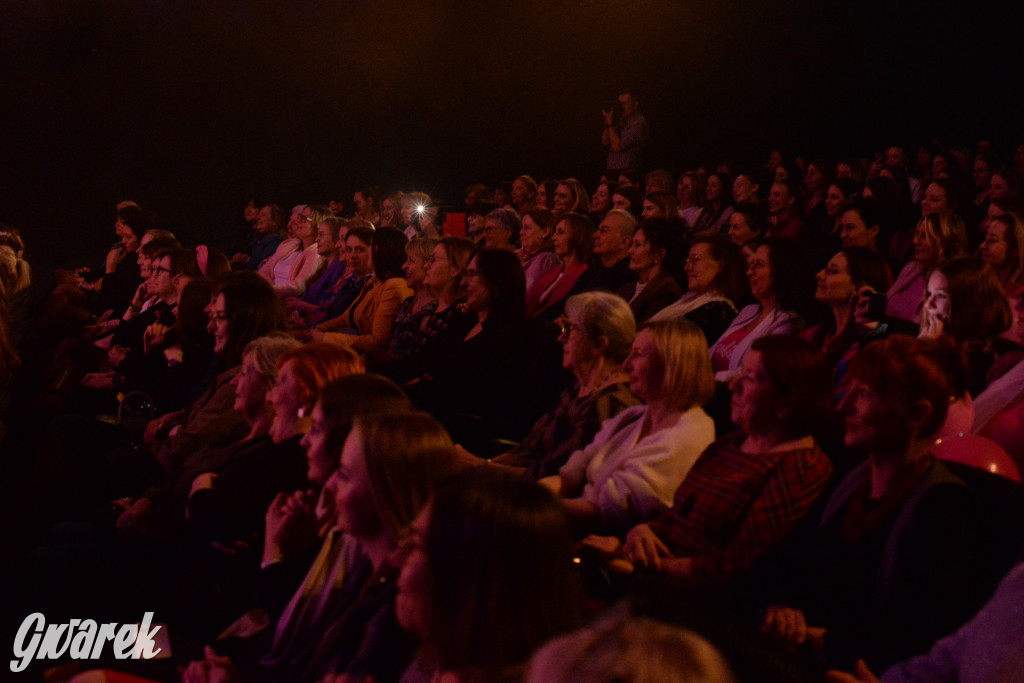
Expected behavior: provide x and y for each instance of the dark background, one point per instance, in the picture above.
(191, 108)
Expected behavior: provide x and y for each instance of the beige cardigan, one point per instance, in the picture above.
(372, 313)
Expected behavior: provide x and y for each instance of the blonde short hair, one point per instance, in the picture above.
(688, 379)
(266, 350)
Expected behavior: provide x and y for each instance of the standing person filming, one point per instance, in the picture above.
(625, 134)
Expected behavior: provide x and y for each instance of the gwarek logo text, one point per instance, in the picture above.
(81, 639)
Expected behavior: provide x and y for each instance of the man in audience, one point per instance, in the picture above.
(609, 269)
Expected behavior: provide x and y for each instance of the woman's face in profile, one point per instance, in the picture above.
(353, 497)
(870, 423)
(287, 397)
(414, 583)
(478, 294)
(319, 464)
(644, 366)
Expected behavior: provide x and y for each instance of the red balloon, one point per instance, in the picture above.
(976, 451)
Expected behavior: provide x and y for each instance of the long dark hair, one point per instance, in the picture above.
(253, 309)
(388, 253)
(499, 552)
(503, 273)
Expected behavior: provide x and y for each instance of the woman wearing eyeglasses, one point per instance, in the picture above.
(597, 332)
(476, 371)
(296, 261)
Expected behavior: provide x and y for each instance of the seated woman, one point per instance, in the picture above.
(488, 578)
(965, 301)
(573, 244)
(597, 332)
(715, 279)
(868, 576)
(629, 472)
(838, 284)
(336, 298)
(601, 201)
(780, 281)
(501, 229)
(570, 197)
(537, 251)
(330, 235)
(244, 307)
(653, 255)
(391, 210)
(298, 523)
(159, 511)
(296, 260)
(748, 224)
(628, 198)
(475, 371)
(524, 195)
(443, 279)
(1003, 250)
(660, 204)
(366, 324)
(227, 504)
(415, 310)
(825, 231)
(389, 466)
(861, 226)
(714, 215)
(937, 238)
(748, 490)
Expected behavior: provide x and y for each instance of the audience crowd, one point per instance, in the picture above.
(737, 424)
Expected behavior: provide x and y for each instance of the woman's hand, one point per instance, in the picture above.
(643, 548)
(932, 328)
(100, 380)
(154, 335)
(135, 520)
(345, 678)
(114, 257)
(295, 304)
(291, 525)
(159, 424)
(862, 675)
(552, 483)
(211, 669)
(173, 354)
(862, 307)
(206, 480)
(141, 294)
(790, 626)
(606, 545)
(117, 355)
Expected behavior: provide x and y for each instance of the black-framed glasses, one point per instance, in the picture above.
(161, 269)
